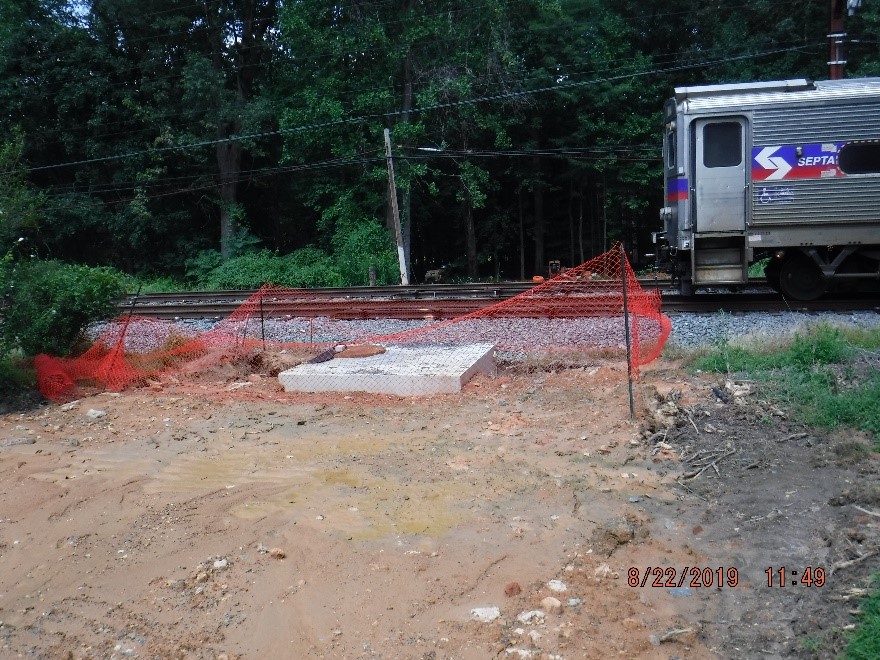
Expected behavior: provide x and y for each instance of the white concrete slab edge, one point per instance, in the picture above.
(401, 370)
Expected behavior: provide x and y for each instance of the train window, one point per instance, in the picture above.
(670, 150)
(722, 144)
(859, 158)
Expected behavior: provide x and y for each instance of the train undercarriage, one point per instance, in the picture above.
(800, 273)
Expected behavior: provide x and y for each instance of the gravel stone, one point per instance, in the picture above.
(557, 586)
(706, 330)
(485, 614)
(17, 441)
(515, 337)
(551, 604)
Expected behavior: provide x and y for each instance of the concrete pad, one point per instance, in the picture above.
(401, 370)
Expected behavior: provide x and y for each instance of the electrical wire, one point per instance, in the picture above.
(362, 51)
(569, 71)
(424, 109)
(619, 152)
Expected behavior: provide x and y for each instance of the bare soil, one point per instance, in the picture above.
(227, 519)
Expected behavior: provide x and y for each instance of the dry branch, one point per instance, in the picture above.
(852, 562)
(675, 633)
(710, 464)
(868, 511)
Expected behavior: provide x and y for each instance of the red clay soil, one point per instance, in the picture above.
(227, 519)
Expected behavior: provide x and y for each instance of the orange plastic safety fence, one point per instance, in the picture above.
(580, 311)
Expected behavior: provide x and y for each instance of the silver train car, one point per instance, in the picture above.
(786, 170)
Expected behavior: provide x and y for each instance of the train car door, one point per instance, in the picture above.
(720, 175)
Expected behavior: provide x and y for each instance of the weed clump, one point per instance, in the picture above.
(819, 375)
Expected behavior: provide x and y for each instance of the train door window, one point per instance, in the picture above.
(670, 149)
(722, 144)
(859, 158)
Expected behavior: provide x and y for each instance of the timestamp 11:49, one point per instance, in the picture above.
(783, 577)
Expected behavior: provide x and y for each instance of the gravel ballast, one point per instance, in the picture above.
(689, 331)
(705, 330)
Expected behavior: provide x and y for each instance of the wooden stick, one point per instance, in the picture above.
(713, 464)
(793, 436)
(868, 511)
(691, 420)
(694, 493)
(852, 562)
(656, 435)
(675, 633)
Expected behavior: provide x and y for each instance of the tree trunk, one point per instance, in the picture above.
(571, 224)
(244, 61)
(229, 165)
(581, 221)
(406, 202)
(540, 227)
(522, 238)
(470, 238)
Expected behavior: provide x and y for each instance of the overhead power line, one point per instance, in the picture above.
(424, 109)
(629, 153)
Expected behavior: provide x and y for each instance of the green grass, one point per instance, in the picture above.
(757, 268)
(16, 375)
(825, 375)
(154, 285)
(864, 644)
(811, 644)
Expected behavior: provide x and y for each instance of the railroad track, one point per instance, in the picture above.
(449, 301)
(764, 302)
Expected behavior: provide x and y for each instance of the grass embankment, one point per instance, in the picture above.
(865, 642)
(827, 377)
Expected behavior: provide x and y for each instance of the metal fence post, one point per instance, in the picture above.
(632, 407)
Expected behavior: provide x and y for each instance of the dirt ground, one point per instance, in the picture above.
(231, 520)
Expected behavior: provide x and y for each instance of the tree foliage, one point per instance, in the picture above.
(165, 137)
(47, 304)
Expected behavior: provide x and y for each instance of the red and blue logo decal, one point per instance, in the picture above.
(676, 190)
(786, 162)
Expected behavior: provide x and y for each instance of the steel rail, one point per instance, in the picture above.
(498, 290)
(764, 302)
(577, 302)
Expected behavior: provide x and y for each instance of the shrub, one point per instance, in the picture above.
(368, 244)
(307, 267)
(757, 268)
(48, 303)
(16, 374)
(200, 267)
(311, 267)
(162, 284)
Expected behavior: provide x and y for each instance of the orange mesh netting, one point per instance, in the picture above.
(577, 313)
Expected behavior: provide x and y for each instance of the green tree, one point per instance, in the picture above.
(157, 131)
(415, 67)
(862, 52)
(122, 90)
(19, 201)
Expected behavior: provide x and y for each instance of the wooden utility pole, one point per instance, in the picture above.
(836, 36)
(395, 212)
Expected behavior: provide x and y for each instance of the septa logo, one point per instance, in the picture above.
(789, 161)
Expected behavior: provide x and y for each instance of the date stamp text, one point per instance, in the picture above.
(689, 576)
